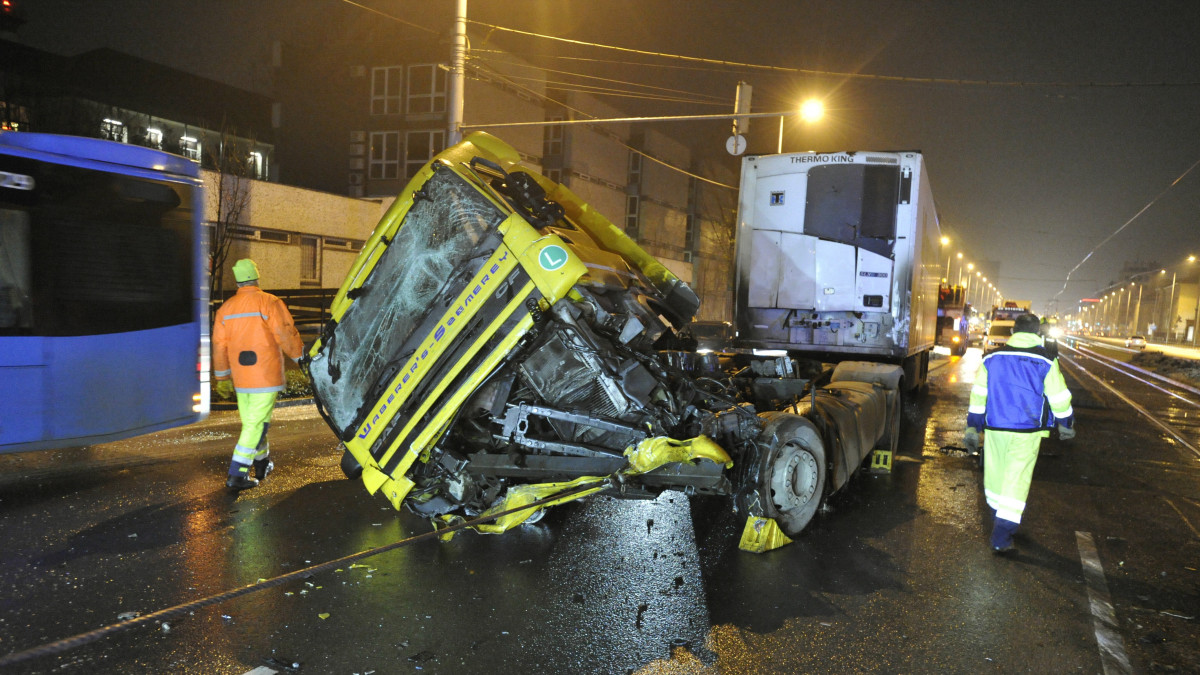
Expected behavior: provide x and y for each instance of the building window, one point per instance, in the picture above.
(154, 138)
(13, 117)
(420, 147)
(426, 88)
(310, 260)
(189, 147)
(385, 90)
(633, 190)
(555, 175)
(635, 168)
(552, 138)
(385, 155)
(258, 166)
(632, 210)
(114, 130)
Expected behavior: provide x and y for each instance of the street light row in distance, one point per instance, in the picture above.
(992, 294)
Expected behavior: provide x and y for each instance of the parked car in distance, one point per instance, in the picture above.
(1135, 342)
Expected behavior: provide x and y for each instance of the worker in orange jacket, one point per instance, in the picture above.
(251, 333)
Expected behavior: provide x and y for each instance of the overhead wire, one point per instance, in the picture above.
(828, 73)
(542, 97)
(1125, 225)
(487, 57)
(565, 86)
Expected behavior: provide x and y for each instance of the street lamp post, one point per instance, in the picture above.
(1170, 322)
(1196, 321)
(1137, 309)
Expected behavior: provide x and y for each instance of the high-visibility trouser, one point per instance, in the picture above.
(1008, 461)
(255, 410)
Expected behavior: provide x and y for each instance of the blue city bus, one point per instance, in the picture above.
(103, 292)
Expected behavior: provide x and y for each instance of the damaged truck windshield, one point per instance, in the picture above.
(498, 342)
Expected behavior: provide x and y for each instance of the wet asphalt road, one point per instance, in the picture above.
(895, 577)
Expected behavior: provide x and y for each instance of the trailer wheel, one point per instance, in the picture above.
(792, 476)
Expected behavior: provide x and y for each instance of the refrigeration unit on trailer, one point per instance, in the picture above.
(837, 258)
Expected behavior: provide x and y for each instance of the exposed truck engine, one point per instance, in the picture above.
(497, 342)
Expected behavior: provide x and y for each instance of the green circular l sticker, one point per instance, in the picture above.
(552, 257)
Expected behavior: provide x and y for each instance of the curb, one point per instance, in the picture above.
(284, 403)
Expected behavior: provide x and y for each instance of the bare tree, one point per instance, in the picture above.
(231, 160)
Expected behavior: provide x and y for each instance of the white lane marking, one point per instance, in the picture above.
(1104, 619)
(261, 670)
(1185, 520)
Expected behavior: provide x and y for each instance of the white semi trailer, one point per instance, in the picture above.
(838, 258)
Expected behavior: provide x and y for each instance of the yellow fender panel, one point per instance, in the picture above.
(654, 452)
(761, 535)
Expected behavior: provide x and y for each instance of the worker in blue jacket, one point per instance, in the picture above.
(1018, 396)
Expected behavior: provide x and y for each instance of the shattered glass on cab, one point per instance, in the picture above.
(448, 219)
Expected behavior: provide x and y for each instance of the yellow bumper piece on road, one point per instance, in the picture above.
(762, 535)
(652, 453)
(521, 495)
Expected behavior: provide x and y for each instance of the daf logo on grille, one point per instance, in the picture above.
(552, 257)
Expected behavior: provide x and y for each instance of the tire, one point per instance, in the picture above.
(350, 466)
(792, 473)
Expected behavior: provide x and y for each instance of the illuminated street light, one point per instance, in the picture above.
(810, 111)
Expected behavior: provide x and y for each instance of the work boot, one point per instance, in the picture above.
(262, 467)
(1002, 536)
(240, 482)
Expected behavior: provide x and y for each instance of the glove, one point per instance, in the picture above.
(971, 439)
(224, 388)
(1065, 433)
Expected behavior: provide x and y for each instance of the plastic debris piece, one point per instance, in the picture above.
(227, 617)
(126, 616)
(421, 656)
(356, 566)
(287, 664)
(323, 615)
(288, 593)
(133, 536)
(166, 627)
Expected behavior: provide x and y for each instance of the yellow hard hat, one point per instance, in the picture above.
(245, 270)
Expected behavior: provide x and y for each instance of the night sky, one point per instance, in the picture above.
(1029, 179)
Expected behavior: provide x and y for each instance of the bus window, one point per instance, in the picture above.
(15, 308)
(103, 253)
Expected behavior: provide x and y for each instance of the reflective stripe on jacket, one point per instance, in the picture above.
(1019, 387)
(251, 332)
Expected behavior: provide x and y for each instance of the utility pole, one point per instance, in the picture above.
(457, 74)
